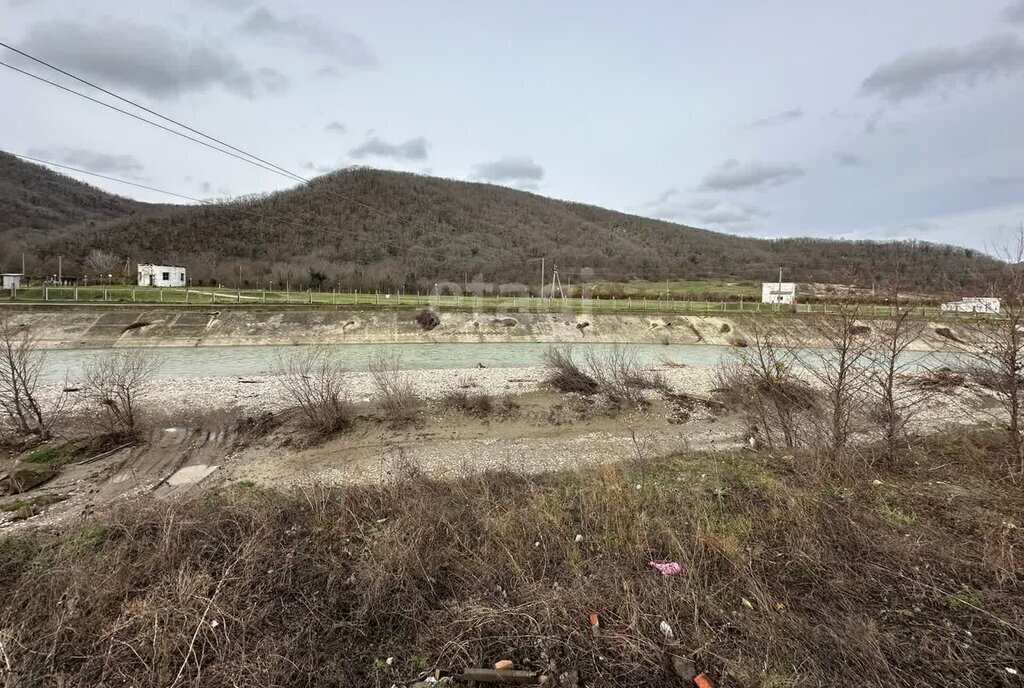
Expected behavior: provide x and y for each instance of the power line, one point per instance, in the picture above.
(133, 115)
(144, 108)
(103, 176)
(271, 167)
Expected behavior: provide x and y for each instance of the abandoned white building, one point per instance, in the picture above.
(161, 275)
(778, 292)
(972, 304)
(10, 280)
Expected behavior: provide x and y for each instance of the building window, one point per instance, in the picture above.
(167, 277)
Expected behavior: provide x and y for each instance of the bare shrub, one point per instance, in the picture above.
(427, 319)
(760, 381)
(114, 382)
(316, 384)
(620, 377)
(896, 402)
(841, 368)
(464, 399)
(565, 375)
(992, 351)
(20, 364)
(395, 392)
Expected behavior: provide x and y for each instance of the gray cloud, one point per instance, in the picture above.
(778, 119)
(703, 212)
(510, 169)
(336, 127)
(272, 80)
(919, 72)
(1002, 182)
(732, 175)
(93, 161)
(413, 149)
(847, 159)
(1015, 13)
(311, 35)
(226, 4)
(145, 58)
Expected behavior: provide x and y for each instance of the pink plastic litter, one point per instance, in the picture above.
(667, 568)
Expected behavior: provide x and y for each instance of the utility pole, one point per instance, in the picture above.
(60, 269)
(541, 276)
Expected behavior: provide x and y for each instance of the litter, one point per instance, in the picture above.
(701, 680)
(666, 630)
(667, 568)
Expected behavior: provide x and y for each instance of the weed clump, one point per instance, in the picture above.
(317, 385)
(565, 375)
(395, 393)
(427, 319)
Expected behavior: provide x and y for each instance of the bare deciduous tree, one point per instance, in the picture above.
(114, 383)
(993, 349)
(101, 263)
(21, 361)
(895, 401)
(316, 384)
(762, 382)
(840, 366)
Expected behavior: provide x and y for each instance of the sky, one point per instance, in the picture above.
(867, 120)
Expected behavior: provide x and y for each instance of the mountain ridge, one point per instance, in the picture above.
(432, 230)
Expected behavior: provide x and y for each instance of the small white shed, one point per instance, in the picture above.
(161, 275)
(778, 292)
(10, 280)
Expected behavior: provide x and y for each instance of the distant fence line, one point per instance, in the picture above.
(210, 295)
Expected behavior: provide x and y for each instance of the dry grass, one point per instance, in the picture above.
(564, 374)
(316, 383)
(789, 579)
(614, 373)
(396, 394)
(465, 398)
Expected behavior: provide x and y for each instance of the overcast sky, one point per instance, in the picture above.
(874, 119)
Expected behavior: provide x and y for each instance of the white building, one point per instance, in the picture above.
(973, 304)
(161, 275)
(778, 292)
(10, 280)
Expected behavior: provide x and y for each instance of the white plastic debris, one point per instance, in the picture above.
(579, 537)
(389, 661)
(666, 630)
(1011, 671)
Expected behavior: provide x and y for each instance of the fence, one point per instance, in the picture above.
(203, 296)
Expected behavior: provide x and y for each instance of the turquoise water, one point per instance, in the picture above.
(235, 361)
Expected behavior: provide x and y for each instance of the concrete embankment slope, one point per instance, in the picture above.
(93, 327)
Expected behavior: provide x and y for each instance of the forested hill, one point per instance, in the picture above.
(32, 196)
(430, 229)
